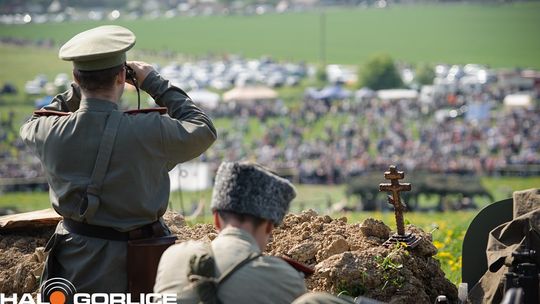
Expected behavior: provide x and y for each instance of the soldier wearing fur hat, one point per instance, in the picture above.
(107, 169)
(248, 201)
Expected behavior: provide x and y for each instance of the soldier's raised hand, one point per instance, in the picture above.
(141, 69)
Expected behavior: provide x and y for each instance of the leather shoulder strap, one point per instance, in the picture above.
(101, 165)
(306, 270)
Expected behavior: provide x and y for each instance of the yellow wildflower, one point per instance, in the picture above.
(438, 244)
(445, 255)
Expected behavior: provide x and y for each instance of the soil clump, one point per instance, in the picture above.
(350, 258)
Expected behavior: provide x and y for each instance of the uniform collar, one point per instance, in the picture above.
(241, 234)
(99, 105)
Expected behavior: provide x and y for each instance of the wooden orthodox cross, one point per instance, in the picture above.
(394, 187)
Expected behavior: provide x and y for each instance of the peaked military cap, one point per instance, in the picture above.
(99, 48)
(248, 188)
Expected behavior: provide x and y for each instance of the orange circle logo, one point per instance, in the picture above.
(57, 297)
(57, 291)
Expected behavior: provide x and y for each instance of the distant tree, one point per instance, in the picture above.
(425, 74)
(320, 74)
(379, 73)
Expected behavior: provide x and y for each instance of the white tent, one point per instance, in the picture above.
(190, 176)
(397, 94)
(249, 94)
(205, 98)
(518, 100)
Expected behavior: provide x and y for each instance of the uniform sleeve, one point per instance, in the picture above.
(28, 132)
(188, 131)
(67, 101)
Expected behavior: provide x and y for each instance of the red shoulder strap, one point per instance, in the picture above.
(50, 113)
(299, 266)
(160, 110)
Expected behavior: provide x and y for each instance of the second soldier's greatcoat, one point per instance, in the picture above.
(267, 279)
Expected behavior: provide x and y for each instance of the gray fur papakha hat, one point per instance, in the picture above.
(249, 188)
(99, 48)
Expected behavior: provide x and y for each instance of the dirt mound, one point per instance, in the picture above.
(351, 258)
(346, 257)
(22, 252)
(178, 226)
(21, 259)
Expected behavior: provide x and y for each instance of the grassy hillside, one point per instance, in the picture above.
(499, 35)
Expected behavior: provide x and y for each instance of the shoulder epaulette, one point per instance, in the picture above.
(50, 113)
(160, 110)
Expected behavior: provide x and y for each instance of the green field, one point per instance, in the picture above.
(498, 35)
(308, 196)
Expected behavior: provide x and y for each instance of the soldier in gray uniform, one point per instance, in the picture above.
(108, 170)
(247, 202)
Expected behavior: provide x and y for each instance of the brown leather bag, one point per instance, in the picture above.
(142, 263)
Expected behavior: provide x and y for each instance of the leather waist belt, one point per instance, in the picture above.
(152, 230)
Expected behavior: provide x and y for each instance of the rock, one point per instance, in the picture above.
(327, 219)
(175, 221)
(336, 246)
(425, 247)
(303, 252)
(376, 228)
(525, 201)
(39, 257)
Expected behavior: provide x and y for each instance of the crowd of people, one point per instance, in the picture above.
(360, 136)
(328, 141)
(16, 161)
